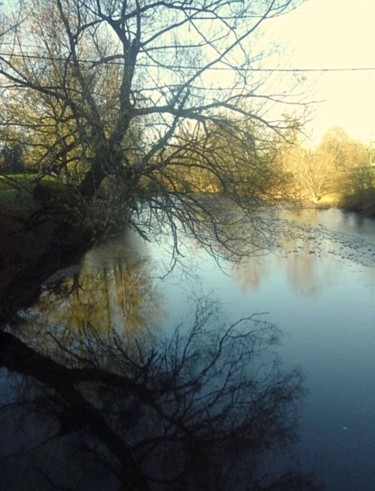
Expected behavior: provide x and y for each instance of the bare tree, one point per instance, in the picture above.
(108, 91)
(345, 151)
(312, 173)
(309, 169)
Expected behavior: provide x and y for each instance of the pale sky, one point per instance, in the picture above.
(334, 34)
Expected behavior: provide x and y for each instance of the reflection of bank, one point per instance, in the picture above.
(110, 295)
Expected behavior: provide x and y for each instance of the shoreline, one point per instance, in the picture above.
(362, 203)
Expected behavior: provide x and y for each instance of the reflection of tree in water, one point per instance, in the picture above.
(249, 273)
(111, 293)
(301, 270)
(302, 264)
(235, 235)
(294, 254)
(194, 411)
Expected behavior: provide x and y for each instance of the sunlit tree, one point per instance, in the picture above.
(345, 151)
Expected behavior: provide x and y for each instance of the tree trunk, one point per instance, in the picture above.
(91, 182)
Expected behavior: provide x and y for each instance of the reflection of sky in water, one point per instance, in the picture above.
(323, 299)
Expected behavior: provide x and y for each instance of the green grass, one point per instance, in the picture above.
(8, 196)
(15, 190)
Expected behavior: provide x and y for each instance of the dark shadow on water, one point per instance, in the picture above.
(29, 255)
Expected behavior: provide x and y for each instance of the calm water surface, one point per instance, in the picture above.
(317, 284)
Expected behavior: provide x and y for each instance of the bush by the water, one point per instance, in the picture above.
(362, 202)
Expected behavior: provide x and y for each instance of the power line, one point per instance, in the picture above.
(321, 69)
(197, 67)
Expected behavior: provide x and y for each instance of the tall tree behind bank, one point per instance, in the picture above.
(103, 90)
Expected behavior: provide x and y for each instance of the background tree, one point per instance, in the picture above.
(110, 87)
(351, 159)
(344, 150)
(313, 173)
(11, 156)
(308, 169)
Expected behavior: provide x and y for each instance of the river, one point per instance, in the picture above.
(311, 295)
